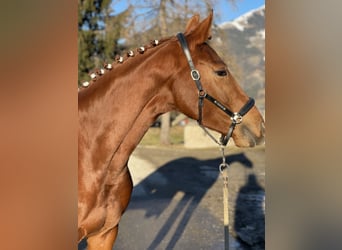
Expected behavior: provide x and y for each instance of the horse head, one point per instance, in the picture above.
(217, 82)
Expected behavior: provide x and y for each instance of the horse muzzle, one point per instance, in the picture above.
(245, 136)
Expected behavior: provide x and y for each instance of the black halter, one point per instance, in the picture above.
(236, 117)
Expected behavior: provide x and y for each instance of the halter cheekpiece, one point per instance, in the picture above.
(236, 117)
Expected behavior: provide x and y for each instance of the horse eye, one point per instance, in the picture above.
(221, 72)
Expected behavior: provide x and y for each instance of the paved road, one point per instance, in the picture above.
(177, 200)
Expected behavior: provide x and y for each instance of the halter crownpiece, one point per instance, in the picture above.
(236, 117)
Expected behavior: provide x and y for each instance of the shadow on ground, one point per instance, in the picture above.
(167, 209)
(249, 216)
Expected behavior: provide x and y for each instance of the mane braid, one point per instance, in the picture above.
(97, 74)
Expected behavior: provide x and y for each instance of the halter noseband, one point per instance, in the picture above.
(236, 117)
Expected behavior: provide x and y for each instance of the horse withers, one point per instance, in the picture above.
(121, 102)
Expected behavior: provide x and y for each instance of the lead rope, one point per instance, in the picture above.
(224, 172)
(223, 168)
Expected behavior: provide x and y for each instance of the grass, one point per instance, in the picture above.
(151, 138)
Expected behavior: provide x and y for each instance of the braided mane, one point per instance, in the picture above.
(96, 74)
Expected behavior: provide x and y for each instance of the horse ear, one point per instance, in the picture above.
(201, 32)
(192, 23)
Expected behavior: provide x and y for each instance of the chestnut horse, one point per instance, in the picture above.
(126, 97)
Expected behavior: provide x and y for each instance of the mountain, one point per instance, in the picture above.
(244, 40)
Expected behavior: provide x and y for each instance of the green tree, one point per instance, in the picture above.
(98, 35)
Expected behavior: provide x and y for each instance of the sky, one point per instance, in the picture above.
(227, 11)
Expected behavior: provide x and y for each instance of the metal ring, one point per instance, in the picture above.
(202, 93)
(237, 118)
(223, 166)
(195, 75)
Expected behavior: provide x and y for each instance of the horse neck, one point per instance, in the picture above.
(119, 109)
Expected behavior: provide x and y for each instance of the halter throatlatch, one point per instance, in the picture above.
(236, 117)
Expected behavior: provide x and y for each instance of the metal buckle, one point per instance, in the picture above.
(195, 75)
(237, 118)
(202, 93)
